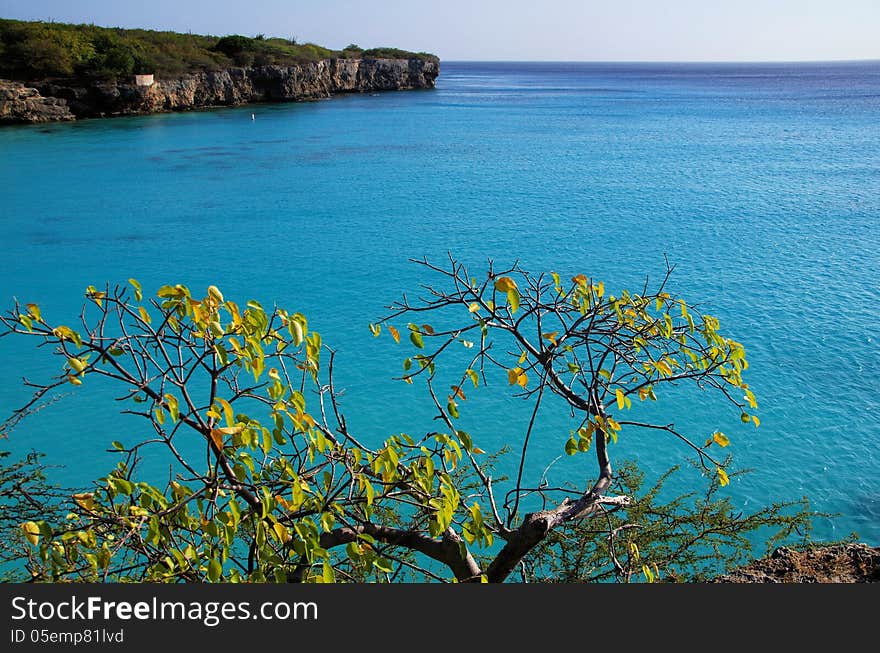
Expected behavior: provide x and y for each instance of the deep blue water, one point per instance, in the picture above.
(760, 182)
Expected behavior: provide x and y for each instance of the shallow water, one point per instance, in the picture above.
(761, 183)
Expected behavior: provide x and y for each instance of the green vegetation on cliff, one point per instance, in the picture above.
(37, 50)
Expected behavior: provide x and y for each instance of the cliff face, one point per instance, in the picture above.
(22, 104)
(235, 86)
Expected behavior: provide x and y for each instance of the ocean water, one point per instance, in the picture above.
(761, 183)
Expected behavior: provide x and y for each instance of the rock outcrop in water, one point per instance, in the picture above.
(62, 100)
(23, 104)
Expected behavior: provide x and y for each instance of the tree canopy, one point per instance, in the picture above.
(271, 484)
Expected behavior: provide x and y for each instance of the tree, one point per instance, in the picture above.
(271, 484)
(25, 497)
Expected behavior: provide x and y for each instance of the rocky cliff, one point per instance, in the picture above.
(309, 81)
(23, 104)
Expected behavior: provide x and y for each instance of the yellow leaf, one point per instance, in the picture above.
(722, 476)
(750, 397)
(644, 392)
(478, 450)
(634, 548)
(76, 364)
(472, 375)
(227, 411)
(217, 439)
(580, 279)
(85, 500)
(621, 399)
(215, 294)
(721, 439)
(229, 430)
(522, 357)
(34, 311)
(31, 532)
(138, 294)
(296, 332)
(550, 336)
(171, 402)
(394, 333)
(505, 284)
(516, 376)
(144, 315)
(473, 308)
(281, 532)
(756, 421)
(74, 380)
(600, 289)
(663, 367)
(457, 392)
(513, 300)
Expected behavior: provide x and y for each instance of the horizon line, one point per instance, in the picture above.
(666, 61)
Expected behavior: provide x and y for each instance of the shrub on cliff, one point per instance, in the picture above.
(37, 50)
(395, 53)
(271, 483)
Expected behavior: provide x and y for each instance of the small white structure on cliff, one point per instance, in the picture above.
(143, 80)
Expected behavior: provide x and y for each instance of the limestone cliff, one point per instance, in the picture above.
(232, 86)
(23, 104)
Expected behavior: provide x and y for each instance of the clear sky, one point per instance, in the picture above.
(576, 30)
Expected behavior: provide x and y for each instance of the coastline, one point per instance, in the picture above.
(70, 99)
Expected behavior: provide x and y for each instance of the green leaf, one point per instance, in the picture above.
(571, 447)
(383, 565)
(416, 339)
(215, 569)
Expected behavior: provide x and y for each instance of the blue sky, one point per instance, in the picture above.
(577, 30)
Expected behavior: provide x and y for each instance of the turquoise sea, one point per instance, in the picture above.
(761, 183)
